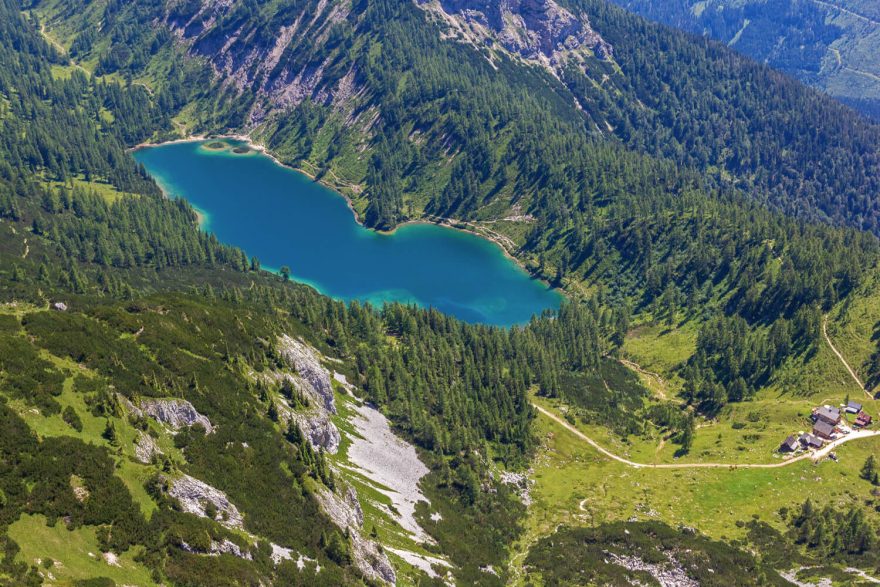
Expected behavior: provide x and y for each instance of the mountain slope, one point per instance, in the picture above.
(361, 92)
(829, 45)
(445, 122)
(166, 339)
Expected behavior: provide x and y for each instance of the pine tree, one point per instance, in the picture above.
(869, 470)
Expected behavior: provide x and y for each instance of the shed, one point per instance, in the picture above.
(790, 444)
(853, 407)
(811, 441)
(823, 429)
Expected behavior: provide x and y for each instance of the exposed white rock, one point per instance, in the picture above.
(345, 511)
(315, 425)
(391, 463)
(671, 574)
(343, 380)
(193, 495)
(539, 31)
(145, 448)
(226, 546)
(313, 381)
(303, 559)
(111, 559)
(80, 492)
(307, 364)
(60, 306)
(522, 483)
(175, 413)
(422, 562)
(280, 554)
(229, 547)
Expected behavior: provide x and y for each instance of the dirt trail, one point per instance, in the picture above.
(842, 360)
(650, 374)
(815, 456)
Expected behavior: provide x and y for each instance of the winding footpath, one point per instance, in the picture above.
(842, 360)
(816, 456)
(649, 374)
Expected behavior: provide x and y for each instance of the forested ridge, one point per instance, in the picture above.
(825, 45)
(664, 94)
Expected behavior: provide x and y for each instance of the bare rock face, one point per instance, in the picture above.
(218, 548)
(145, 448)
(229, 547)
(280, 554)
(175, 413)
(316, 378)
(194, 495)
(345, 511)
(536, 30)
(522, 484)
(314, 383)
(320, 431)
(254, 55)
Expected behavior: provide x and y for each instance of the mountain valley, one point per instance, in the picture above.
(176, 413)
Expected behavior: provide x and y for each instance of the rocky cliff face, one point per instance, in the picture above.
(279, 59)
(194, 495)
(175, 413)
(314, 382)
(291, 56)
(345, 511)
(541, 31)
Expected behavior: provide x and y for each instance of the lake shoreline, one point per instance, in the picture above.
(443, 222)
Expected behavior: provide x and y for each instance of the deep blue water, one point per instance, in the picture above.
(284, 218)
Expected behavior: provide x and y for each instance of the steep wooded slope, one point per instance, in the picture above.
(625, 155)
(383, 94)
(829, 45)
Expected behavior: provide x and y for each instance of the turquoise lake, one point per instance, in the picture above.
(282, 217)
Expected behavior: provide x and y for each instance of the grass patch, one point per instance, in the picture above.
(75, 554)
(576, 486)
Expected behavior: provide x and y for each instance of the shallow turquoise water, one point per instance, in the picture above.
(284, 218)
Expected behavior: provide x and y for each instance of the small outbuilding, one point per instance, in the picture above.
(810, 441)
(790, 444)
(853, 407)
